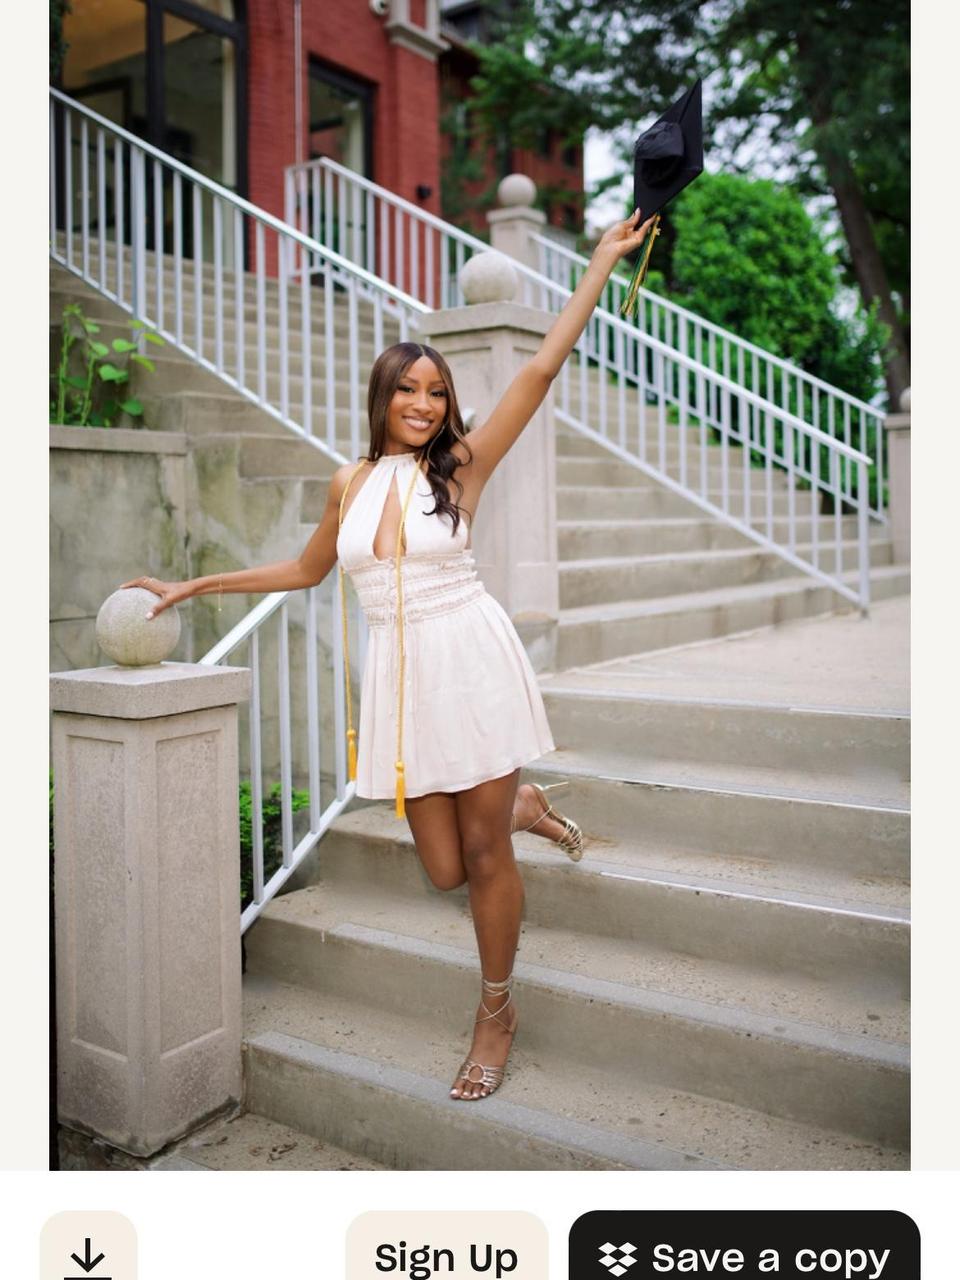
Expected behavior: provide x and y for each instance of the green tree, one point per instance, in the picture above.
(58, 46)
(817, 91)
(747, 255)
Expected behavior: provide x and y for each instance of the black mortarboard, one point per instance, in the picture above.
(666, 157)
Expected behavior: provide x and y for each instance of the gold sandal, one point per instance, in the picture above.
(490, 1078)
(571, 842)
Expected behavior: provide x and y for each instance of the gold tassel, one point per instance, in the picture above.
(629, 304)
(401, 811)
(352, 754)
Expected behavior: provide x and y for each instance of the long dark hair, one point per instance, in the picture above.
(385, 376)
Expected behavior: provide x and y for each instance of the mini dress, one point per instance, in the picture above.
(472, 708)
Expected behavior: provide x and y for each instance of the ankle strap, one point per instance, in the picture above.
(497, 988)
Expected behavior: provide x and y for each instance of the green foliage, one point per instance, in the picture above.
(513, 102)
(747, 255)
(58, 46)
(817, 94)
(272, 834)
(85, 385)
(464, 165)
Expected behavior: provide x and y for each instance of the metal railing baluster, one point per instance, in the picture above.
(283, 713)
(178, 257)
(256, 770)
(329, 356)
(218, 318)
(198, 269)
(240, 297)
(84, 198)
(68, 183)
(102, 208)
(313, 708)
(283, 272)
(261, 313)
(306, 353)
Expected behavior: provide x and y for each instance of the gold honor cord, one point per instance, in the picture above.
(351, 732)
(629, 304)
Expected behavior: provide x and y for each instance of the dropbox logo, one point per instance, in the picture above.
(618, 1258)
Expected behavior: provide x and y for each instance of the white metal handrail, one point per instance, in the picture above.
(771, 376)
(249, 632)
(163, 242)
(758, 463)
(423, 254)
(172, 248)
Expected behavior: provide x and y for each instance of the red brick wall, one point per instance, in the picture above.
(349, 36)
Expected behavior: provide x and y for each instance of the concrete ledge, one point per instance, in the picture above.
(117, 440)
(143, 693)
(485, 315)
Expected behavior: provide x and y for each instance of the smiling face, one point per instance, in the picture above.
(418, 408)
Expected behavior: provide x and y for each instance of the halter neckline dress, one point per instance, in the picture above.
(472, 707)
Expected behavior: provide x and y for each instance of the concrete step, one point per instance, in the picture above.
(402, 1119)
(595, 633)
(734, 825)
(596, 539)
(599, 581)
(273, 456)
(616, 477)
(550, 1113)
(649, 497)
(183, 373)
(862, 756)
(253, 1143)
(201, 413)
(806, 956)
(113, 325)
(852, 1082)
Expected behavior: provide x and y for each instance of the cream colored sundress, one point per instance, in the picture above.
(472, 709)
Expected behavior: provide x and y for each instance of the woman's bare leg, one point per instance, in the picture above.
(496, 903)
(436, 833)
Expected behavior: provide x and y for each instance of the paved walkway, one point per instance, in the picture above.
(841, 661)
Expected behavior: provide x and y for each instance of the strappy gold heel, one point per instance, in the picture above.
(571, 842)
(489, 1078)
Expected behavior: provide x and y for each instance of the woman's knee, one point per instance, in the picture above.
(485, 857)
(447, 878)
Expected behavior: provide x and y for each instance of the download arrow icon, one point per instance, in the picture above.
(86, 1262)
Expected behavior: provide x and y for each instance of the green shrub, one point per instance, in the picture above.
(272, 834)
(86, 386)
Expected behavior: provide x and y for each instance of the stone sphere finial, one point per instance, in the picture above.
(516, 189)
(488, 277)
(905, 400)
(124, 633)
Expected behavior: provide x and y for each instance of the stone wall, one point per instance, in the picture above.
(118, 508)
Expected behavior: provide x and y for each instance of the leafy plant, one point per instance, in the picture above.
(86, 384)
(272, 834)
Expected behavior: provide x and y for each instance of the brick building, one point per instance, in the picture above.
(239, 89)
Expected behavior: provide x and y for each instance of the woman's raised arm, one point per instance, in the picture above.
(491, 441)
(311, 566)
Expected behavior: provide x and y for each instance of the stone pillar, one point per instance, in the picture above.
(897, 428)
(513, 224)
(147, 893)
(515, 539)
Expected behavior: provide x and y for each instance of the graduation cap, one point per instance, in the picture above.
(666, 158)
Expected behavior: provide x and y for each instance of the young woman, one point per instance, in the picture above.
(450, 706)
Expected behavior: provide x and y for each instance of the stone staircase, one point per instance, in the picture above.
(722, 982)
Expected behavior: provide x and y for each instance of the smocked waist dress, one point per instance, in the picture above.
(472, 709)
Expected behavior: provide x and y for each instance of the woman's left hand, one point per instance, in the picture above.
(623, 237)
